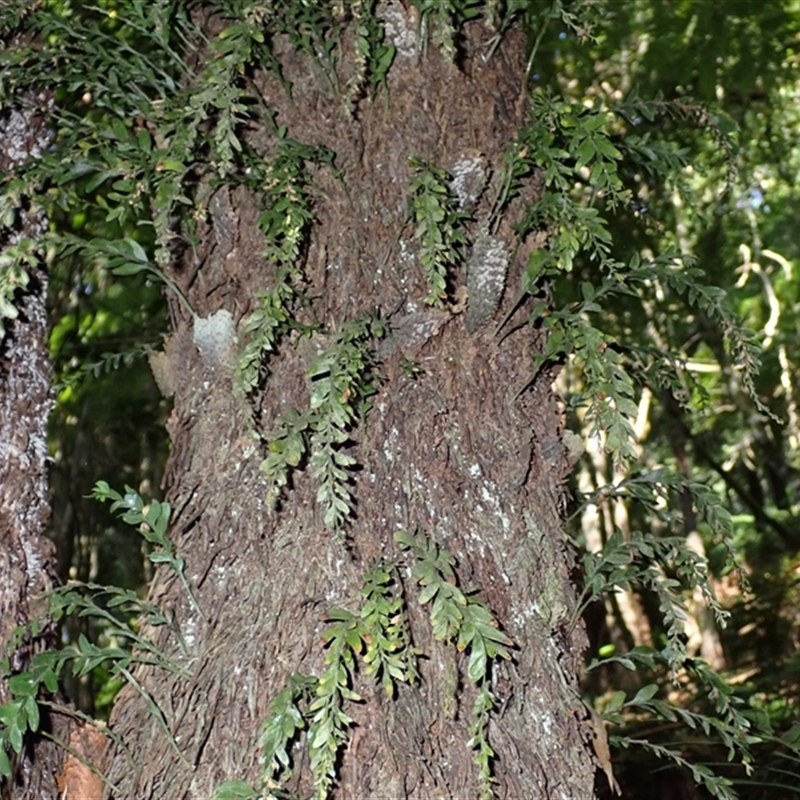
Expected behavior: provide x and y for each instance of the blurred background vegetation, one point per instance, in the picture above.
(737, 213)
(735, 210)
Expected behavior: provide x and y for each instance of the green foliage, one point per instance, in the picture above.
(17, 255)
(650, 562)
(716, 785)
(287, 217)
(466, 621)
(572, 147)
(285, 222)
(22, 713)
(669, 568)
(373, 56)
(123, 170)
(328, 722)
(485, 702)
(378, 635)
(438, 226)
(108, 362)
(235, 790)
(315, 29)
(123, 257)
(287, 446)
(133, 130)
(108, 605)
(264, 327)
(728, 720)
(623, 563)
(455, 617)
(441, 21)
(286, 719)
(14, 259)
(95, 601)
(729, 724)
(152, 521)
(388, 654)
(586, 160)
(341, 381)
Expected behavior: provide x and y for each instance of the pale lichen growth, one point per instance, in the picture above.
(486, 279)
(401, 28)
(469, 180)
(214, 336)
(15, 130)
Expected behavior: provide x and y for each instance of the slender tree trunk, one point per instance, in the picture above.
(27, 560)
(450, 448)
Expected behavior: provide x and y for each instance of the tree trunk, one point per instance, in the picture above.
(450, 448)
(27, 560)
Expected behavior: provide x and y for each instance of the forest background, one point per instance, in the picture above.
(706, 98)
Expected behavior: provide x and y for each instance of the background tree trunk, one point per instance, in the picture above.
(27, 558)
(448, 448)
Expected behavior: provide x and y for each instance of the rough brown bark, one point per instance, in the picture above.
(453, 451)
(27, 560)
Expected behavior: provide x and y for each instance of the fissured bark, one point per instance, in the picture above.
(452, 447)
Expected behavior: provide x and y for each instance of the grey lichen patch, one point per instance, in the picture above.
(15, 133)
(225, 218)
(486, 279)
(574, 444)
(412, 330)
(400, 26)
(214, 337)
(469, 179)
